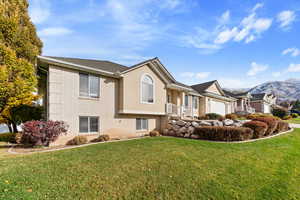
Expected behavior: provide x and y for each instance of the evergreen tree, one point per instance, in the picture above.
(19, 46)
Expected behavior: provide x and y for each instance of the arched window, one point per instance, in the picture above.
(147, 87)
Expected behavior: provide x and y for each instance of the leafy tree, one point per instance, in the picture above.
(296, 105)
(19, 46)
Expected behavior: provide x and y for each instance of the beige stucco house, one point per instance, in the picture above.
(263, 102)
(100, 97)
(243, 103)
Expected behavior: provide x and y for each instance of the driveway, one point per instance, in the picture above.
(295, 125)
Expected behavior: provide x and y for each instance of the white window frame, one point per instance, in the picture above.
(89, 127)
(90, 95)
(141, 89)
(142, 128)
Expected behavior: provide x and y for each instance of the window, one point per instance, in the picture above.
(88, 124)
(88, 85)
(186, 101)
(195, 102)
(169, 98)
(141, 124)
(147, 88)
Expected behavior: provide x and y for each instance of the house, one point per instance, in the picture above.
(96, 97)
(243, 105)
(214, 99)
(263, 102)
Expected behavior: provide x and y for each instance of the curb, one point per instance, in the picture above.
(238, 142)
(10, 150)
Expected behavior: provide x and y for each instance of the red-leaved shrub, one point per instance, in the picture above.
(42, 133)
(282, 127)
(222, 133)
(259, 128)
(271, 122)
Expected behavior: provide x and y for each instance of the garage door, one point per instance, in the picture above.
(267, 109)
(217, 107)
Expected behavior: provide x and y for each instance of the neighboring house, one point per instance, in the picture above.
(243, 105)
(214, 99)
(104, 97)
(263, 102)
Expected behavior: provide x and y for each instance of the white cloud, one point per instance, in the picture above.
(226, 35)
(39, 11)
(257, 6)
(276, 74)
(294, 68)
(171, 4)
(292, 51)
(286, 18)
(256, 68)
(54, 31)
(199, 75)
(202, 75)
(225, 17)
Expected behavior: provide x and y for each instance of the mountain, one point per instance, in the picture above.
(288, 90)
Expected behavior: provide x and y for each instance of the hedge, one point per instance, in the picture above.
(259, 128)
(271, 122)
(224, 133)
(7, 137)
(282, 127)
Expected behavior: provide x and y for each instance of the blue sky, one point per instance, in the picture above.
(241, 43)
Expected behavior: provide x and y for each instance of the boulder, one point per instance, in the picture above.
(175, 127)
(228, 122)
(166, 131)
(180, 123)
(217, 123)
(182, 130)
(173, 122)
(195, 124)
(186, 135)
(191, 130)
(205, 123)
(195, 136)
(188, 124)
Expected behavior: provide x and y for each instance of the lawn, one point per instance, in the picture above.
(158, 168)
(294, 121)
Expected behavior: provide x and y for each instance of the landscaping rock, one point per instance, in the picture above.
(182, 130)
(195, 136)
(186, 135)
(188, 124)
(176, 128)
(166, 131)
(228, 122)
(217, 123)
(173, 122)
(191, 130)
(195, 124)
(204, 123)
(180, 123)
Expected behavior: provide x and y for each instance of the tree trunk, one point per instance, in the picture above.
(15, 129)
(9, 127)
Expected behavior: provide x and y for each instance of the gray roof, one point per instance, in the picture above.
(97, 64)
(259, 96)
(203, 86)
(233, 94)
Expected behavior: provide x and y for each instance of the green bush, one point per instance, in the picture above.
(289, 117)
(231, 116)
(279, 112)
(154, 133)
(259, 128)
(271, 122)
(101, 138)
(295, 115)
(78, 140)
(7, 137)
(222, 133)
(213, 116)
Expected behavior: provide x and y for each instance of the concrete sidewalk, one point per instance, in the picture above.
(295, 125)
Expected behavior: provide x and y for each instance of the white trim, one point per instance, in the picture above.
(89, 132)
(141, 89)
(175, 86)
(89, 86)
(141, 112)
(76, 66)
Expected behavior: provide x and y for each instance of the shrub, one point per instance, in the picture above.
(41, 133)
(271, 122)
(282, 127)
(256, 115)
(295, 115)
(259, 128)
(279, 112)
(213, 116)
(154, 133)
(101, 138)
(231, 116)
(287, 117)
(78, 140)
(224, 133)
(7, 137)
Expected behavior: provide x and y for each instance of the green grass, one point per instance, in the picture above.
(294, 121)
(158, 168)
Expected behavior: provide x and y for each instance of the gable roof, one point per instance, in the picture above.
(259, 96)
(202, 87)
(97, 64)
(236, 95)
